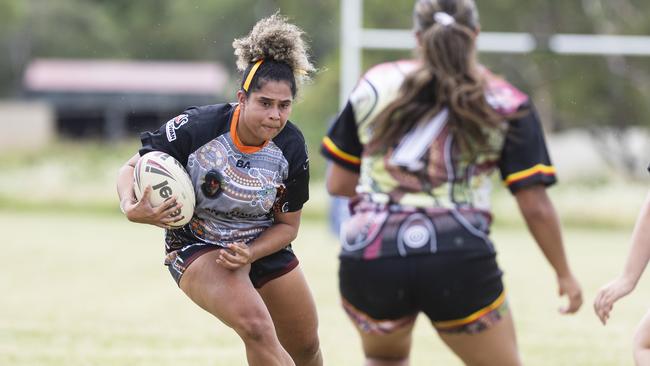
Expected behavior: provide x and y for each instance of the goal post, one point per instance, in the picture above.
(354, 39)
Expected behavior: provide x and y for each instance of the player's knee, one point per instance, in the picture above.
(308, 349)
(254, 329)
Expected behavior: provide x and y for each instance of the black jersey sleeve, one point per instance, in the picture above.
(185, 133)
(342, 145)
(295, 192)
(524, 159)
(174, 137)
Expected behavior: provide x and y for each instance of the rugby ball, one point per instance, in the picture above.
(167, 178)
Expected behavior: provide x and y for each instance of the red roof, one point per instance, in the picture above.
(123, 76)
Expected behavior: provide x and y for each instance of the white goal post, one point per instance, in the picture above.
(354, 38)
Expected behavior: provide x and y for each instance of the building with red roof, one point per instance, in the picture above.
(117, 98)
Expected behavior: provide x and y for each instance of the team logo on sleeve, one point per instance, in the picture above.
(173, 125)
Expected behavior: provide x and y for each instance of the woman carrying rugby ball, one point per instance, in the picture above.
(249, 168)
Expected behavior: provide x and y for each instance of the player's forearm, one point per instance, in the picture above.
(544, 225)
(125, 180)
(546, 231)
(273, 239)
(639, 254)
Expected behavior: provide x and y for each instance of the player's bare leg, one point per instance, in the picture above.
(391, 349)
(495, 346)
(293, 312)
(642, 342)
(230, 296)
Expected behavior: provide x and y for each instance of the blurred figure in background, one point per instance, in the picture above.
(414, 147)
(339, 213)
(250, 171)
(339, 210)
(637, 260)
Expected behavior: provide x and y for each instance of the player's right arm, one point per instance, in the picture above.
(635, 264)
(341, 181)
(142, 211)
(343, 149)
(526, 170)
(544, 225)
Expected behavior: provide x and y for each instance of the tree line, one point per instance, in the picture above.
(569, 91)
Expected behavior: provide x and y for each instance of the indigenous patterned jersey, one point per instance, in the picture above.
(427, 170)
(237, 187)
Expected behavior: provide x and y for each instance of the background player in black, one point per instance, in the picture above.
(250, 172)
(415, 146)
(637, 260)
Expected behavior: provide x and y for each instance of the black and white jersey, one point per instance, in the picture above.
(428, 168)
(422, 194)
(237, 187)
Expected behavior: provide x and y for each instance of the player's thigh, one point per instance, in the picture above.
(467, 304)
(642, 334)
(377, 298)
(292, 308)
(395, 345)
(228, 295)
(642, 342)
(494, 346)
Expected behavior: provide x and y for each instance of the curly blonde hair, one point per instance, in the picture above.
(275, 39)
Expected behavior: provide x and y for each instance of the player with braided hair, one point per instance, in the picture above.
(414, 147)
(250, 171)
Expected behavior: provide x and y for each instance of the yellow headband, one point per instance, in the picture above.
(251, 73)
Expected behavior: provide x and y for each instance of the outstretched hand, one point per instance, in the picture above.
(569, 286)
(608, 295)
(235, 256)
(142, 211)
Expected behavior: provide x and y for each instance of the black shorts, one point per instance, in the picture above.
(460, 291)
(262, 271)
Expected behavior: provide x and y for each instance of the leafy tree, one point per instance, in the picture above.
(569, 91)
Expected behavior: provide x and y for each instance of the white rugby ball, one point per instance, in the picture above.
(167, 178)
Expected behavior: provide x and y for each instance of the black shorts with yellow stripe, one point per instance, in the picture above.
(262, 270)
(459, 291)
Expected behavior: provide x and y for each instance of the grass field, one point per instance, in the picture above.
(80, 285)
(86, 289)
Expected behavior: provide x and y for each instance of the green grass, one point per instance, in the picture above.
(82, 286)
(85, 289)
